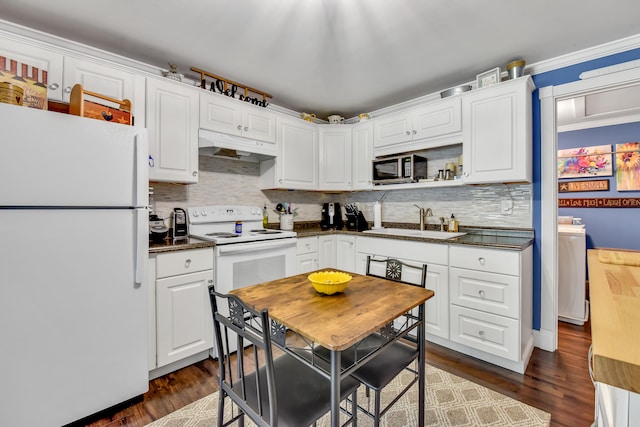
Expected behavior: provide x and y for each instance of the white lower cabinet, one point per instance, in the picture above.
(327, 251)
(307, 254)
(183, 321)
(491, 304)
(616, 407)
(434, 255)
(346, 252)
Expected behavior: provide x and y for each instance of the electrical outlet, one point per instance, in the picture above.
(507, 207)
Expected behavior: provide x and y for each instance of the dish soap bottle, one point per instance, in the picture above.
(453, 224)
(265, 217)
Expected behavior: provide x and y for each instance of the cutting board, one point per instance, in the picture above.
(619, 257)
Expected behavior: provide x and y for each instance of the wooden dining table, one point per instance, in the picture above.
(339, 321)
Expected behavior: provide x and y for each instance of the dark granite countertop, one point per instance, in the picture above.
(491, 237)
(168, 245)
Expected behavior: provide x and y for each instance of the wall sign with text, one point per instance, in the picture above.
(576, 186)
(615, 202)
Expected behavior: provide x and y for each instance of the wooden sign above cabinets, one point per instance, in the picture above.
(230, 88)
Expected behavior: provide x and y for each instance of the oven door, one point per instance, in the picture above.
(245, 264)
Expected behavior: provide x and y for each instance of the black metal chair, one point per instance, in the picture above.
(397, 356)
(272, 392)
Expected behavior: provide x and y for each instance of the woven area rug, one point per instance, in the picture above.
(450, 401)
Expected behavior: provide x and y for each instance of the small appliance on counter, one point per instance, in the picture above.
(180, 227)
(157, 229)
(355, 218)
(331, 217)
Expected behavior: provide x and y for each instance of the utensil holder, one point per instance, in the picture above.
(286, 222)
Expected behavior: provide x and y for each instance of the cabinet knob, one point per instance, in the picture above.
(481, 333)
(280, 181)
(194, 173)
(246, 128)
(481, 261)
(67, 89)
(210, 281)
(481, 293)
(415, 132)
(54, 86)
(408, 133)
(465, 173)
(239, 127)
(187, 263)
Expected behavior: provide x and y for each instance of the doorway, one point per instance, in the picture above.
(547, 337)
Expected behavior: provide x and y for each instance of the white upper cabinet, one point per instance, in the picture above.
(497, 133)
(362, 144)
(296, 166)
(335, 157)
(423, 127)
(223, 114)
(172, 122)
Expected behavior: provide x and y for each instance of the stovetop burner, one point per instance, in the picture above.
(264, 231)
(222, 234)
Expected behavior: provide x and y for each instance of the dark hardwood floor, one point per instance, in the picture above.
(557, 382)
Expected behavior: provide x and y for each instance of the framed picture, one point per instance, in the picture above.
(488, 78)
(585, 162)
(628, 166)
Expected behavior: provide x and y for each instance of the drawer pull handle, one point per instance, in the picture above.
(481, 261)
(187, 263)
(481, 293)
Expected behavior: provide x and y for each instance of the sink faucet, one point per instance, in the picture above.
(442, 223)
(424, 213)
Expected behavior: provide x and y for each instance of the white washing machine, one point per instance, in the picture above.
(573, 306)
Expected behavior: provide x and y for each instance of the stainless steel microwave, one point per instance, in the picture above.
(399, 169)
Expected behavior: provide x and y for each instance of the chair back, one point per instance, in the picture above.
(398, 271)
(252, 385)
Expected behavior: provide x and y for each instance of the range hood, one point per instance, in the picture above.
(218, 144)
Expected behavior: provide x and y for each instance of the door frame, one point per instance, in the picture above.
(547, 336)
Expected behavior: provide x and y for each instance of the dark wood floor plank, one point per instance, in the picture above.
(556, 382)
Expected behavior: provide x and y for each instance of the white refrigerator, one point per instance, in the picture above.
(73, 257)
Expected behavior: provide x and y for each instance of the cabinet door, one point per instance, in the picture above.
(217, 113)
(258, 123)
(39, 57)
(98, 78)
(346, 252)
(437, 308)
(297, 163)
(438, 119)
(151, 315)
(307, 262)
(184, 321)
(172, 122)
(335, 158)
(497, 133)
(393, 130)
(327, 251)
(362, 143)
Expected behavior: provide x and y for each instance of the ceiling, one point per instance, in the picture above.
(334, 56)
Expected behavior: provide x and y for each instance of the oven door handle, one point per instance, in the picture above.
(253, 247)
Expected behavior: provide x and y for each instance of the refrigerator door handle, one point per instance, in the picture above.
(142, 245)
(141, 169)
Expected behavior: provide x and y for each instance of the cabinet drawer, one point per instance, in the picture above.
(427, 253)
(306, 245)
(490, 292)
(491, 260)
(487, 332)
(183, 262)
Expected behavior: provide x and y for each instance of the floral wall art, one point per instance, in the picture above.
(584, 162)
(628, 166)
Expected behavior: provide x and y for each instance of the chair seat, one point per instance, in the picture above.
(302, 394)
(383, 367)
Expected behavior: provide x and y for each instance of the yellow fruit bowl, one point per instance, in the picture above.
(329, 282)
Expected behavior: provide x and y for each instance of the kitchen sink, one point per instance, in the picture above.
(427, 234)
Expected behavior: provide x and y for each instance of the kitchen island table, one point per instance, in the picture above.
(339, 321)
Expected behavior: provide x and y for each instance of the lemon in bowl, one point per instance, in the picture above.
(329, 282)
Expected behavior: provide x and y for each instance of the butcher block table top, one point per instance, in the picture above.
(334, 321)
(614, 290)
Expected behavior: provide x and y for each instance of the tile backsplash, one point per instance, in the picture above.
(225, 181)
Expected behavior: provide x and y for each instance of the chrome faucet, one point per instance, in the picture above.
(424, 213)
(442, 223)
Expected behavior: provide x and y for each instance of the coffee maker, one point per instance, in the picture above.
(331, 217)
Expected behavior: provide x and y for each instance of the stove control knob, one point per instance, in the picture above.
(194, 213)
(204, 212)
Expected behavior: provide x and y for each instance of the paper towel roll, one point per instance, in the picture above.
(377, 215)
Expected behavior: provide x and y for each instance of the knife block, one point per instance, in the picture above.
(356, 222)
